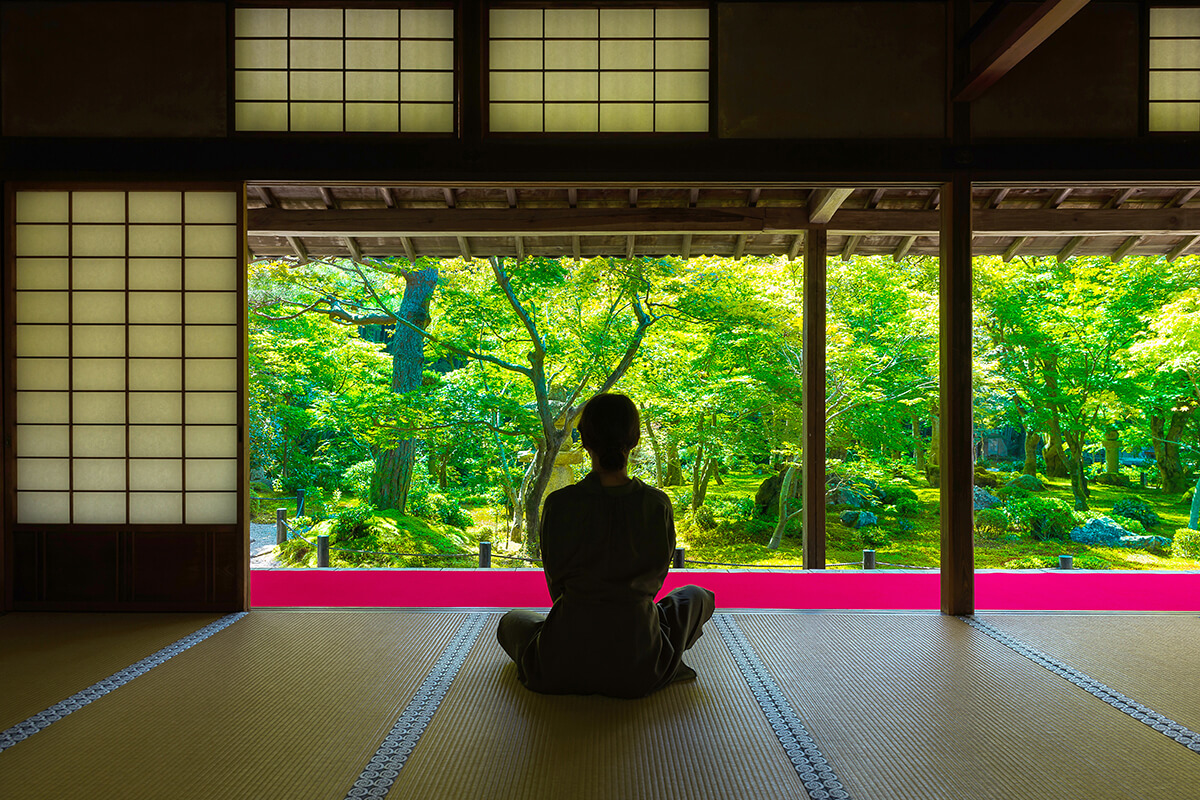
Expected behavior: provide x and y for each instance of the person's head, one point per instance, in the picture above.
(610, 427)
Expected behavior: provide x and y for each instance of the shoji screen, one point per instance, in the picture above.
(1174, 69)
(598, 70)
(126, 392)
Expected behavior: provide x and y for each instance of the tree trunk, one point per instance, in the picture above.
(1056, 463)
(699, 489)
(1112, 451)
(1079, 486)
(658, 465)
(785, 494)
(394, 466)
(918, 444)
(673, 475)
(528, 511)
(1166, 448)
(1194, 519)
(1032, 440)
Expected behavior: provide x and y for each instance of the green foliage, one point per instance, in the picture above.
(1089, 561)
(352, 522)
(1186, 544)
(1013, 491)
(991, 523)
(1138, 509)
(381, 534)
(426, 502)
(907, 505)
(1031, 562)
(1042, 517)
(873, 536)
(357, 477)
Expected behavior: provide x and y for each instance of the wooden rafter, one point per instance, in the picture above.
(824, 203)
(739, 247)
(794, 250)
(1126, 246)
(410, 250)
(902, 249)
(850, 246)
(1070, 248)
(1178, 249)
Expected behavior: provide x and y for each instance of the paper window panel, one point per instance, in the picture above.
(97, 240)
(42, 273)
(43, 474)
(1183, 85)
(508, 23)
(98, 374)
(426, 118)
(316, 22)
(516, 86)
(427, 54)
(154, 273)
(571, 117)
(379, 54)
(372, 86)
(43, 206)
(681, 86)
(155, 341)
(211, 508)
(44, 440)
(155, 475)
(680, 55)
(260, 54)
(261, 21)
(627, 86)
(97, 207)
(43, 307)
(571, 23)
(1175, 116)
(211, 408)
(315, 54)
(383, 23)
(515, 117)
(572, 86)
(42, 240)
(1174, 85)
(210, 307)
(34, 407)
(627, 22)
(98, 507)
(573, 55)
(43, 508)
(681, 117)
(426, 86)
(261, 116)
(218, 240)
(627, 55)
(98, 441)
(212, 475)
(155, 408)
(98, 474)
(155, 441)
(43, 373)
(98, 408)
(316, 85)
(150, 308)
(154, 240)
(1171, 22)
(43, 341)
(103, 308)
(210, 441)
(155, 508)
(154, 375)
(683, 23)
(261, 85)
(211, 274)
(98, 341)
(315, 117)
(515, 55)
(210, 374)
(427, 23)
(626, 117)
(371, 117)
(98, 273)
(155, 208)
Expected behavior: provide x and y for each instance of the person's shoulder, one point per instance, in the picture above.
(656, 495)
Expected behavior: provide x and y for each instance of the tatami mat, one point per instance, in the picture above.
(278, 705)
(1152, 658)
(46, 657)
(924, 706)
(493, 739)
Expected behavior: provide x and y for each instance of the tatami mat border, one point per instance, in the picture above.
(384, 767)
(42, 720)
(1147, 716)
(818, 777)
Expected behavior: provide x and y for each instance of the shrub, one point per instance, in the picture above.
(1031, 562)
(1091, 562)
(1187, 543)
(903, 526)
(357, 477)
(1042, 517)
(873, 536)
(704, 518)
(1026, 482)
(1012, 491)
(1136, 508)
(991, 523)
(907, 506)
(352, 522)
(434, 506)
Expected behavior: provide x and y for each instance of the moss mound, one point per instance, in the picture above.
(381, 534)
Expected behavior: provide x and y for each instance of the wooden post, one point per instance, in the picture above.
(957, 450)
(813, 466)
(485, 554)
(280, 525)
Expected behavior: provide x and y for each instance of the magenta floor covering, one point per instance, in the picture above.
(1027, 590)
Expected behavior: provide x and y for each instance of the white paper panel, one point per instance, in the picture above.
(98, 273)
(572, 117)
(372, 117)
(42, 240)
(97, 207)
(44, 473)
(685, 22)
(211, 341)
(154, 273)
(95, 341)
(211, 374)
(149, 308)
(372, 22)
(261, 54)
(43, 508)
(155, 408)
(155, 341)
(42, 306)
(1175, 22)
(626, 22)
(626, 86)
(204, 408)
(99, 474)
(626, 118)
(681, 55)
(380, 54)
(210, 441)
(43, 440)
(155, 475)
(506, 23)
(681, 117)
(626, 55)
(426, 86)
(515, 86)
(427, 54)
(42, 206)
(572, 22)
(372, 86)
(161, 207)
(316, 85)
(212, 474)
(572, 55)
(43, 407)
(309, 117)
(42, 273)
(98, 408)
(213, 508)
(261, 116)
(260, 22)
(1174, 54)
(1175, 85)
(97, 240)
(426, 118)
(154, 240)
(326, 22)
(102, 308)
(98, 441)
(316, 54)
(42, 373)
(146, 508)
(43, 341)
(681, 86)
(260, 85)
(515, 55)
(571, 86)
(213, 240)
(154, 374)
(151, 441)
(1175, 116)
(427, 23)
(211, 273)
(210, 208)
(98, 508)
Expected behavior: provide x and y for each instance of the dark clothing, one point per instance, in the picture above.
(606, 550)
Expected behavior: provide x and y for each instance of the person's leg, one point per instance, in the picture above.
(517, 629)
(685, 610)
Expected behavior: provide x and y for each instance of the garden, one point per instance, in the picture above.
(422, 407)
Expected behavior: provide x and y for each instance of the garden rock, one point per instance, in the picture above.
(1027, 482)
(985, 499)
(766, 499)
(1100, 531)
(1146, 542)
(1113, 479)
(858, 519)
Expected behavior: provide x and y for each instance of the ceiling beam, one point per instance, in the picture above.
(686, 250)
(1178, 249)
(824, 203)
(851, 246)
(410, 251)
(902, 249)
(1011, 251)
(739, 247)
(355, 251)
(1044, 20)
(794, 250)
(1070, 248)
(298, 248)
(464, 248)
(1126, 246)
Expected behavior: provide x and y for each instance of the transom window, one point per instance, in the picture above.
(344, 69)
(1174, 69)
(598, 70)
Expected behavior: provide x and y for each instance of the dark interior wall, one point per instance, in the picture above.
(113, 69)
(1082, 81)
(831, 70)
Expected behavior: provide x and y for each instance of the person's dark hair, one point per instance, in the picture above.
(610, 427)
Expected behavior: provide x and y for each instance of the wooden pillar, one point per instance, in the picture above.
(813, 468)
(957, 453)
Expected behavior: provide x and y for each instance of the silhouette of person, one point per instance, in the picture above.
(607, 543)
